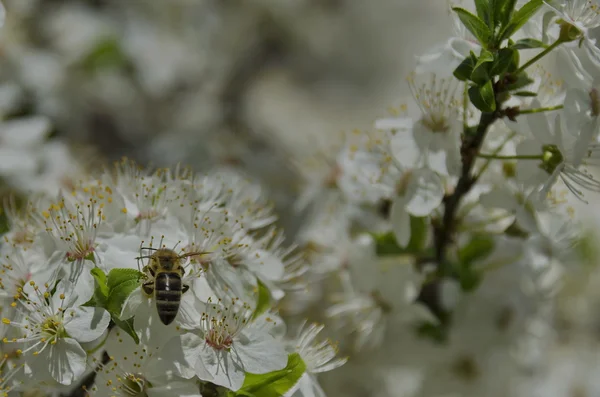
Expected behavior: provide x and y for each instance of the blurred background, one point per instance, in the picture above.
(264, 86)
(259, 84)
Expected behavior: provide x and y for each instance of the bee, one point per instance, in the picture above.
(166, 286)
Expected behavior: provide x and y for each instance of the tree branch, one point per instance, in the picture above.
(469, 149)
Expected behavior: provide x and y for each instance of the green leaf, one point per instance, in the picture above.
(274, 384)
(119, 295)
(503, 10)
(525, 93)
(520, 17)
(263, 299)
(385, 243)
(504, 61)
(484, 12)
(482, 97)
(127, 326)
(481, 71)
(480, 246)
(118, 276)
(101, 290)
(475, 25)
(526, 44)
(106, 54)
(465, 69)
(521, 80)
(418, 234)
(436, 332)
(468, 278)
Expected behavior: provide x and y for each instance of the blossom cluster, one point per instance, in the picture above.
(75, 272)
(454, 219)
(441, 248)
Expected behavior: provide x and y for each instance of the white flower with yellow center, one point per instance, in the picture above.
(318, 357)
(135, 370)
(145, 196)
(53, 326)
(227, 345)
(552, 152)
(416, 142)
(582, 14)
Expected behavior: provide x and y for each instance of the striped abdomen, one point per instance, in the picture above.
(167, 290)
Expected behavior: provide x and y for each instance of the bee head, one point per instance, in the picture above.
(167, 259)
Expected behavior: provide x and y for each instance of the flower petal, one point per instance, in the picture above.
(424, 192)
(178, 388)
(180, 354)
(25, 132)
(404, 149)
(86, 324)
(260, 353)
(66, 361)
(132, 303)
(266, 265)
(219, 365)
(400, 220)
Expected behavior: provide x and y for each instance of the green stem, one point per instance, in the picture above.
(465, 105)
(540, 110)
(496, 151)
(518, 157)
(540, 55)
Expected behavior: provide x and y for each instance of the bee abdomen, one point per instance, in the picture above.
(167, 291)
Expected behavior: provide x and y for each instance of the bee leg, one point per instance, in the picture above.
(149, 270)
(148, 287)
(184, 288)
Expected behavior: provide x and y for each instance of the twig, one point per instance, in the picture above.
(469, 149)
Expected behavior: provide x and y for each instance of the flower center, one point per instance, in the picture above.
(81, 250)
(53, 327)
(23, 237)
(435, 123)
(551, 158)
(219, 339)
(149, 214)
(582, 12)
(437, 101)
(134, 385)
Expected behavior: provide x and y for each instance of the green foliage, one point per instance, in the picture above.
(475, 25)
(481, 71)
(483, 97)
(106, 54)
(503, 11)
(263, 299)
(526, 44)
(525, 93)
(273, 384)
(494, 73)
(480, 247)
(101, 289)
(519, 18)
(464, 71)
(112, 291)
(386, 244)
(506, 61)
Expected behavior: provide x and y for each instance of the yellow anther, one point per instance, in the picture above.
(5, 320)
